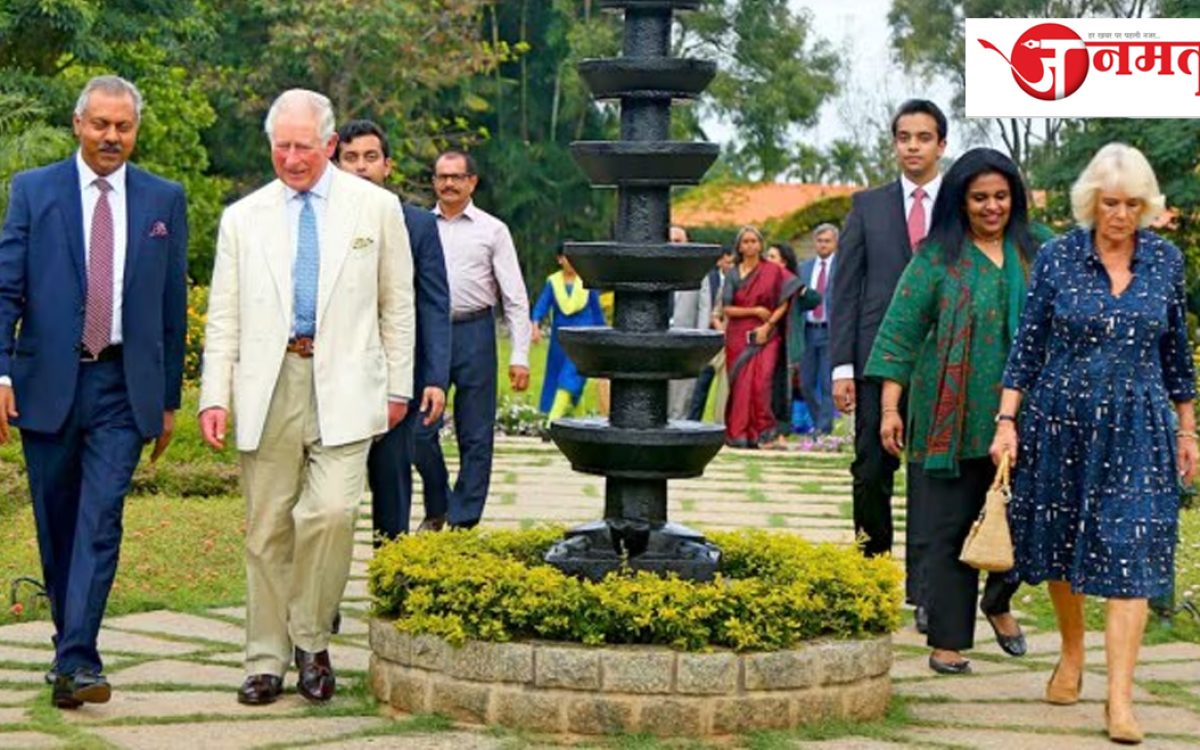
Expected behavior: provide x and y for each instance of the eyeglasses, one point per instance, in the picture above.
(456, 179)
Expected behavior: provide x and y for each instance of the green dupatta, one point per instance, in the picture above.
(954, 333)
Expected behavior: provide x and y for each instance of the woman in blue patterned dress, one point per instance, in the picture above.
(1102, 373)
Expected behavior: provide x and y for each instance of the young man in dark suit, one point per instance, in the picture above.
(884, 226)
(363, 150)
(93, 264)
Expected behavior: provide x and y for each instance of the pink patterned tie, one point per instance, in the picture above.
(916, 219)
(97, 321)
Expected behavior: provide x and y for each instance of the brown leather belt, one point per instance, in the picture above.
(302, 346)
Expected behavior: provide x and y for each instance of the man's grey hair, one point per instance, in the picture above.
(826, 227)
(114, 85)
(316, 104)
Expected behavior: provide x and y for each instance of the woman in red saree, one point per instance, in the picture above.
(756, 300)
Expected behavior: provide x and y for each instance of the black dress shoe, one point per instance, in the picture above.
(62, 696)
(83, 687)
(921, 620)
(949, 667)
(432, 523)
(260, 689)
(316, 681)
(1013, 645)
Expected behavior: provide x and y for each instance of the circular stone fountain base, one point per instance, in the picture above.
(571, 689)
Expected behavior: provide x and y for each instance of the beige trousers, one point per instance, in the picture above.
(301, 500)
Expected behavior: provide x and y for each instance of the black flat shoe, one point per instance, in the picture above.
(1013, 645)
(949, 667)
(921, 620)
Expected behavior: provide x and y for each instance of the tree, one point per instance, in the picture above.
(48, 50)
(772, 79)
(26, 141)
(538, 105)
(397, 63)
(1171, 146)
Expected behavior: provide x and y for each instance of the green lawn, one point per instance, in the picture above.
(537, 374)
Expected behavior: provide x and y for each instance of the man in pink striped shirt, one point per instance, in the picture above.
(482, 268)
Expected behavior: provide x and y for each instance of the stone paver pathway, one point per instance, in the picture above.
(174, 673)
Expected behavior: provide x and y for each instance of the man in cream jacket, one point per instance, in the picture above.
(310, 336)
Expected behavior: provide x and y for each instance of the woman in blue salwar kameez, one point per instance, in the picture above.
(572, 306)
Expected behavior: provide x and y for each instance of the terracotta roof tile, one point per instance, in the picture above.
(738, 204)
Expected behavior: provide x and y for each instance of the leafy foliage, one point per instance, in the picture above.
(1171, 146)
(928, 37)
(773, 76)
(800, 223)
(26, 141)
(772, 591)
(538, 105)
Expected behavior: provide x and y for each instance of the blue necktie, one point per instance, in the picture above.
(307, 271)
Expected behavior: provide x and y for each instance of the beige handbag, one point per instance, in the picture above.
(989, 544)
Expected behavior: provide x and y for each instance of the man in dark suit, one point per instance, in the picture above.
(363, 150)
(883, 227)
(93, 262)
(816, 370)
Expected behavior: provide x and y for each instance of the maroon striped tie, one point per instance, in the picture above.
(97, 321)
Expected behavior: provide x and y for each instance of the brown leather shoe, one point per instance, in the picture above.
(432, 523)
(316, 675)
(260, 689)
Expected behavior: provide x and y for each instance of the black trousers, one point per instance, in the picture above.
(916, 535)
(873, 471)
(950, 506)
(781, 395)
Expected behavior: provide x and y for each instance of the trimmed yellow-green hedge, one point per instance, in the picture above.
(773, 591)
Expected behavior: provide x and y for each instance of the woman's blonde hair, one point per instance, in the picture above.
(1122, 167)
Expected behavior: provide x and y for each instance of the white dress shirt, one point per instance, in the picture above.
(907, 186)
(90, 195)
(481, 268)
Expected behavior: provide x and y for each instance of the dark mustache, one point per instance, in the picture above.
(110, 148)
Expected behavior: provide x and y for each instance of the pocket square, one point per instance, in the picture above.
(159, 229)
(361, 242)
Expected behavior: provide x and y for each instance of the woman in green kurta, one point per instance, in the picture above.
(945, 339)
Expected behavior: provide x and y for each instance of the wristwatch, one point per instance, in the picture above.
(1005, 418)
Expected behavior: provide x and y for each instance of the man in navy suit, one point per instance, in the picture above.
(362, 150)
(883, 227)
(93, 262)
(816, 370)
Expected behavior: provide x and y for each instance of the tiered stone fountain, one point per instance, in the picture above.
(637, 449)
